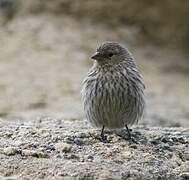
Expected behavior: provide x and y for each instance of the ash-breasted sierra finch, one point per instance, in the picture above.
(113, 91)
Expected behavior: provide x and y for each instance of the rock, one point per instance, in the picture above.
(69, 158)
(184, 156)
(185, 175)
(34, 153)
(126, 154)
(10, 151)
(106, 175)
(72, 156)
(78, 141)
(18, 143)
(90, 158)
(134, 146)
(63, 147)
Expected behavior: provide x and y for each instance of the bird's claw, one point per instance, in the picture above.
(103, 139)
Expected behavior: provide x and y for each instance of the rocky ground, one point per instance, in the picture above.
(58, 149)
(43, 59)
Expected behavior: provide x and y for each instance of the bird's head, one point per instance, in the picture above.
(110, 53)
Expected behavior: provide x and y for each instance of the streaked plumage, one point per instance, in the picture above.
(113, 91)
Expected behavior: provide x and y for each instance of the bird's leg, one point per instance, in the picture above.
(103, 138)
(131, 138)
(128, 131)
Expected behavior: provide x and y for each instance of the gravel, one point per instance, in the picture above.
(57, 148)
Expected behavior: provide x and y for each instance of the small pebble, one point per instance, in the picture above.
(8, 134)
(18, 143)
(154, 141)
(126, 154)
(78, 141)
(165, 139)
(49, 147)
(34, 153)
(72, 156)
(133, 146)
(69, 140)
(63, 147)
(83, 135)
(185, 175)
(90, 158)
(60, 156)
(181, 140)
(166, 147)
(10, 151)
(184, 156)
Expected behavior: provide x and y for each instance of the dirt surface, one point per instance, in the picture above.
(43, 59)
(58, 149)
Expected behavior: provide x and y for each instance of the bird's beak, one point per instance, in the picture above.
(96, 56)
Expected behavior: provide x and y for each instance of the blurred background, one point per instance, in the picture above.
(45, 49)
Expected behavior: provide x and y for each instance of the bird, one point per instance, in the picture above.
(113, 91)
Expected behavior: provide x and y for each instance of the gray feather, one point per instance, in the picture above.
(113, 91)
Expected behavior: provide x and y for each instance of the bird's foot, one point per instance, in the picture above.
(126, 135)
(103, 139)
(128, 132)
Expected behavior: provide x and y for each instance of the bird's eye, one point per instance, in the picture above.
(110, 54)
